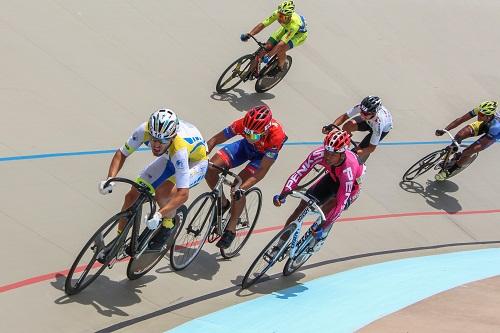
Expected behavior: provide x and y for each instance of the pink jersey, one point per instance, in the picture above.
(348, 174)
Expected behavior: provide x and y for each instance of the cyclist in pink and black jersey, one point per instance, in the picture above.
(337, 189)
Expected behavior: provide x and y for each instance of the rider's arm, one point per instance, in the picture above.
(116, 163)
(459, 121)
(134, 141)
(341, 119)
(215, 140)
(305, 167)
(259, 174)
(258, 28)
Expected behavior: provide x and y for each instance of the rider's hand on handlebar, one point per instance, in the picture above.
(327, 129)
(154, 222)
(279, 199)
(244, 37)
(238, 194)
(105, 190)
(439, 132)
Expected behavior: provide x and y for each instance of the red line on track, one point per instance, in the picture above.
(50, 276)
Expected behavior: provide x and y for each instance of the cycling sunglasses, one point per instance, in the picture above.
(162, 141)
(252, 135)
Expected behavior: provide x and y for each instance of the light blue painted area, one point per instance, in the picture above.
(349, 300)
(112, 151)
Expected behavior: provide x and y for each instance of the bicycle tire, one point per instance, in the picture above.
(456, 172)
(186, 247)
(423, 165)
(260, 84)
(104, 230)
(220, 87)
(252, 276)
(317, 172)
(246, 223)
(303, 254)
(139, 267)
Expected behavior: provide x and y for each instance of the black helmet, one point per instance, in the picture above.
(370, 104)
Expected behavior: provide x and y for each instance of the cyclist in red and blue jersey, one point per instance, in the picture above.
(263, 139)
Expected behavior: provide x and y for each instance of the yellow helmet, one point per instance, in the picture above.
(487, 108)
(286, 8)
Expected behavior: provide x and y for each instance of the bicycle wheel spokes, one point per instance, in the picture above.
(273, 252)
(267, 82)
(234, 74)
(193, 232)
(424, 165)
(246, 222)
(95, 256)
(303, 254)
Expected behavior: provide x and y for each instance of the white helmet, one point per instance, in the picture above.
(163, 124)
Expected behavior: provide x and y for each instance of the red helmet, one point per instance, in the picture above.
(258, 119)
(337, 141)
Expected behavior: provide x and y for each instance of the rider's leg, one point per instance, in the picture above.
(466, 132)
(130, 198)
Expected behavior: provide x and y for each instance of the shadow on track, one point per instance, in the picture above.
(278, 284)
(435, 194)
(105, 295)
(244, 101)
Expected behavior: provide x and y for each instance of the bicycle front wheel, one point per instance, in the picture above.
(266, 82)
(103, 245)
(193, 232)
(274, 251)
(424, 165)
(137, 267)
(234, 74)
(246, 222)
(303, 254)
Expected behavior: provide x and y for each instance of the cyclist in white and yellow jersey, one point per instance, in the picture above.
(181, 163)
(292, 33)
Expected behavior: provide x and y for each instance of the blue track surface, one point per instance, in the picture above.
(349, 300)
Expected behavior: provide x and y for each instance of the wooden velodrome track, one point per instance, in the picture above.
(78, 76)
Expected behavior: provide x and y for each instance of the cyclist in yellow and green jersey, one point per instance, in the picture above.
(292, 33)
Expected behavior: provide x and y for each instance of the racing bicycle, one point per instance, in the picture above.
(206, 221)
(249, 67)
(287, 245)
(106, 247)
(438, 160)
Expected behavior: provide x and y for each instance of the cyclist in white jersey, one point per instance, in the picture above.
(181, 163)
(368, 116)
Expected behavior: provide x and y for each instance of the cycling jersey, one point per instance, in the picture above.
(296, 25)
(186, 150)
(269, 145)
(491, 129)
(380, 123)
(348, 175)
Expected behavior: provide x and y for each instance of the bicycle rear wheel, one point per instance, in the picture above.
(246, 222)
(424, 165)
(303, 254)
(472, 159)
(266, 82)
(238, 71)
(104, 243)
(313, 175)
(193, 232)
(272, 253)
(142, 265)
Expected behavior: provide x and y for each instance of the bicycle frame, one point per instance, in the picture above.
(218, 191)
(134, 214)
(449, 150)
(296, 244)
